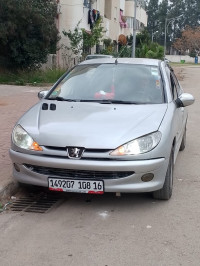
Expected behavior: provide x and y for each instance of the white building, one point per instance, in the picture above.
(117, 17)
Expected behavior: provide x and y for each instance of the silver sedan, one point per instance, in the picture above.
(108, 125)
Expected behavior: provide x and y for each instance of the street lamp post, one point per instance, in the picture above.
(134, 30)
(167, 22)
(165, 37)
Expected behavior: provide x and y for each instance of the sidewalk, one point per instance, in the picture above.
(14, 101)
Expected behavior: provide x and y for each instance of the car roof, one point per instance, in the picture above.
(137, 61)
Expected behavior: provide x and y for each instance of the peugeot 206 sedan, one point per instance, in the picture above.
(108, 125)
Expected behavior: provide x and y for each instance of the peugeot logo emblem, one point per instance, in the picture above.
(75, 152)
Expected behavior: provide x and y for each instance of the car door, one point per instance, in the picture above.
(180, 113)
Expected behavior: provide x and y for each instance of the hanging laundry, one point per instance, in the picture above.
(90, 18)
(122, 20)
(93, 16)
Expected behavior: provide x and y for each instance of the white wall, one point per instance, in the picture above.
(178, 58)
(71, 13)
(122, 4)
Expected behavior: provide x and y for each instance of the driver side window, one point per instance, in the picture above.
(174, 88)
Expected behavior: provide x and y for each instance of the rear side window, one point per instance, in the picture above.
(125, 82)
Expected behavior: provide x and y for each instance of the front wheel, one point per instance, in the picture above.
(165, 193)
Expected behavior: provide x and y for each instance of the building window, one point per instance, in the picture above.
(129, 22)
(141, 26)
(108, 9)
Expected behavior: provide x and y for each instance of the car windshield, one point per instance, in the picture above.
(139, 84)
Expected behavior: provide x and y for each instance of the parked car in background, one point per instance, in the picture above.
(108, 125)
(167, 60)
(96, 56)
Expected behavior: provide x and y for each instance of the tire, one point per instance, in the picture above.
(183, 142)
(165, 193)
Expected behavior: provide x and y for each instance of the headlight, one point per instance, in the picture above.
(139, 146)
(22, 139)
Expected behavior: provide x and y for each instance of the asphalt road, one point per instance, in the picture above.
(105, 230)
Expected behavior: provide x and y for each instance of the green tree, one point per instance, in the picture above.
(27, 32)
(189, 41)
(192, 13)
(81, 41)
(109, 47)
(163, 10)
(142, 37)
(151, 50)
(145, 48)
(92, 38)
(189, 9)
(125, 51)
(76, 40)
(176, 9)
(153, 19)
(157, 13)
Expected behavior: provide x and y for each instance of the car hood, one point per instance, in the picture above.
(91, 125)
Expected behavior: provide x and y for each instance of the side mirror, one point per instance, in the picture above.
(185, 99)
(42, 94)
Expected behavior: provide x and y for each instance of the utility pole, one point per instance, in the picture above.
(134, 29)
(165, 43)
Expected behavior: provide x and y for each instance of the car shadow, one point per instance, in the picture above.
(107, 201)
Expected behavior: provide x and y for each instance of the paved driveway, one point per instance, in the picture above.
(14, 101)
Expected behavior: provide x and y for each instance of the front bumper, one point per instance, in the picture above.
(131, 183)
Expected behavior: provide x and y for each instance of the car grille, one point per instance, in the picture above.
(85, 150)
(78, 174)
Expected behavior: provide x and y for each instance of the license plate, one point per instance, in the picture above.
(81, 186)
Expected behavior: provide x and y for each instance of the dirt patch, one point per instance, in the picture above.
(179, 73)
(3, 103)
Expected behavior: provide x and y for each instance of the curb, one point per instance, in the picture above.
(9, 190)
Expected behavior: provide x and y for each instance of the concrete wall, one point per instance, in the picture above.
(51, 62)
(178, 58)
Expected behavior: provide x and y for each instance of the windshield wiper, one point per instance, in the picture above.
(58, 98)
(117, 102)
(96, 101)
(104, 101)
